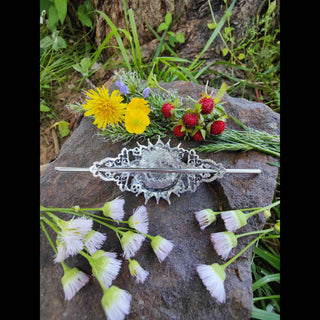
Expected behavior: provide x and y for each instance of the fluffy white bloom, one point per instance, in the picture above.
(72, 281)
(70, 237)
(116, 303)
(234, 219)
(139, 220)
(223, 242)
(213, 277)
(114, 209)
(161, 247)
(131, 243)
(205, 217)
(94, 240)
(137, 271)
(105, 266)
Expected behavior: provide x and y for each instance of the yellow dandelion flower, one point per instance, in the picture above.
(139, 104)
(105, 109)
(136, 120)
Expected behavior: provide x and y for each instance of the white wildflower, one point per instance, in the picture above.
(114, 209)
(234, 219)
(137, 271)
(105, 266)
(94, 240)
(70, 237)
(139, 220)
(161, 247)
(72, 281)
(205, 217)
(131, 243)
(116, 303)
(213, 277)
(223, 242)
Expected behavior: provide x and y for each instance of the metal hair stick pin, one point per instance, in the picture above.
(157, 170)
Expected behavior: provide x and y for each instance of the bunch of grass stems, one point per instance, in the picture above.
(249, 139)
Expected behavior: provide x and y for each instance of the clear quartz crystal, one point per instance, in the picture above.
(159, 158)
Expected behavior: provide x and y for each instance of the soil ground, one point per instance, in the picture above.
(62, 95)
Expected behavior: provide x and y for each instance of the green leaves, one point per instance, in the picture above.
(85, 13)
(166, 24)
(83, 67)
(173, 38)
(61, 6)
(55, 41)
(63, 127)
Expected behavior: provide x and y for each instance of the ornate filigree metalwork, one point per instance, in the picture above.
(163, 183)
(158, 170)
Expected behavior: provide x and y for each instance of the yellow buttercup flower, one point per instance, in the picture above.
(139, 104)
(136, 120)
(105, 109)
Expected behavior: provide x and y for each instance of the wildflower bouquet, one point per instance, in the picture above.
(168, 112)
(144, 108)
(76, 236)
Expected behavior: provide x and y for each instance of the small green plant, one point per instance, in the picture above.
(173, 38)
(256, 55)
(265, 269)
(54, 16)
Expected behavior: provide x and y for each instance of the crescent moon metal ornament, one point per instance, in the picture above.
(157, 170)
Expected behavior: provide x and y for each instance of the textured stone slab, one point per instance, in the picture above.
(173, 289)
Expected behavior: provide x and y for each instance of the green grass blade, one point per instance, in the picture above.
(268, 257)
(274, 296)
(263, 315)
(266, 279)
(119, 40)
(103, 45)
(135, 36)
(214, 34)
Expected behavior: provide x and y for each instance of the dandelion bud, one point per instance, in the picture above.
(267, 213)
(76, 208)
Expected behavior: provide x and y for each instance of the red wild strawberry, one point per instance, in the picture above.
(207, 105)
(190, 119)
(166, 109)
(217, 127)
(177, 131)
(197, 136)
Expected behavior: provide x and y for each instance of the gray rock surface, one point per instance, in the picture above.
(173, 289)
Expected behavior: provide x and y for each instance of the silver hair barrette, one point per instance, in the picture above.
(157, 170)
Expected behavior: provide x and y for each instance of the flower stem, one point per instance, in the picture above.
(50, 223)
(248, 215)
(254, 232)
(65, 267)
(241, 252)
(48, 236)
